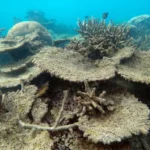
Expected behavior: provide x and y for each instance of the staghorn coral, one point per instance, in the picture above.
(88, 101)
(136, 68)
(72, 66)
(100, 39)
(129, 118)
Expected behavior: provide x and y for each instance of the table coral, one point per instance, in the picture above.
(129, 118)
(72, 66)
(136, 68)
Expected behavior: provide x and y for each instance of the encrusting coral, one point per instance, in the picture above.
(130, 117)
(136, 68)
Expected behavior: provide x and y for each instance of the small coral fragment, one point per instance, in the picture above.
(88, 101)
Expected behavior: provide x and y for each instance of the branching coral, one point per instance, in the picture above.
(100, 39)
(88, 101)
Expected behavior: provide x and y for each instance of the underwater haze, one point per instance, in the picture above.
(67, 11)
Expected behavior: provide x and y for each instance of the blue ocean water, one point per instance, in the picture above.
(67, 11)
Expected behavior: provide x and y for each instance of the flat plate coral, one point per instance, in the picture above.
(130, 117)
(72, 66)
(136, 68)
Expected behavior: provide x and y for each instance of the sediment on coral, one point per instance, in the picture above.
(25, 39)
(13, 75)
(136, 68)
(100, 39)
(56, 127)
(72, 66)
(18, 105)
(122, 123)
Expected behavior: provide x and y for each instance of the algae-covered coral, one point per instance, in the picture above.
(100, 39)
(64, 100)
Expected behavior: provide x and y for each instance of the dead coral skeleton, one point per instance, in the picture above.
(100, 39)
(56, 126)
(124, 122)
(89, 102)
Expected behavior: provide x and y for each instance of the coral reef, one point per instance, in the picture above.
(139, 30)
(143, 42)
(28, 27)
(50, 24)
(142, 23)
(68, 98)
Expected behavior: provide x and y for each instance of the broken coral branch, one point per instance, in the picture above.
(53, 129)
(62, 108)
(55, 126)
